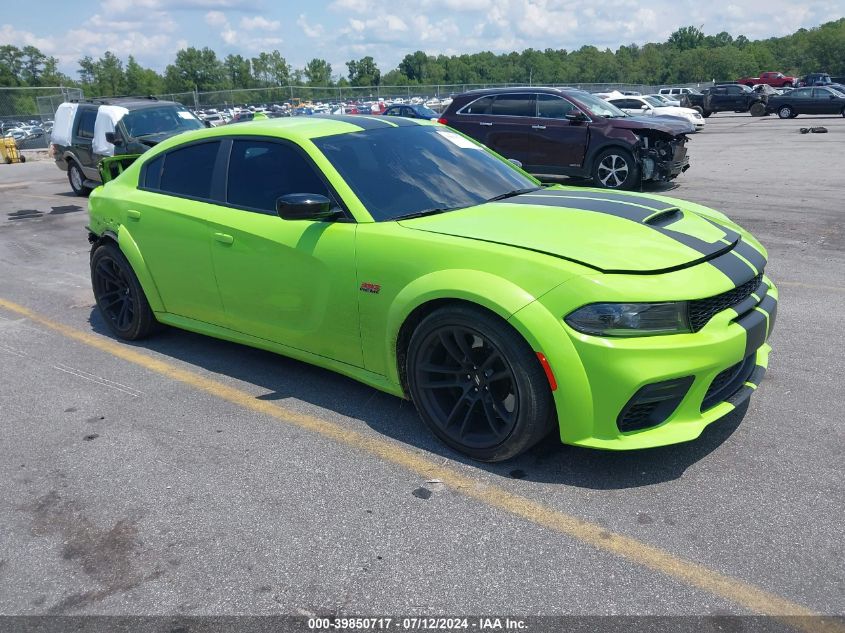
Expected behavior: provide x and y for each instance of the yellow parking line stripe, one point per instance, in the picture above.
(735, 590)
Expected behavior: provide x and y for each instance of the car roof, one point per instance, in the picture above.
(131, 103)
(299, 128)
(541, 89)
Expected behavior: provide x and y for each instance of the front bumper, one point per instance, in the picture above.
(599, 377)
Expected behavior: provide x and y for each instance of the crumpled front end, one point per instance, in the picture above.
(662, 157)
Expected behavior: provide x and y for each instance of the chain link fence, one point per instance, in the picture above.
(343, 94)
(25, 111)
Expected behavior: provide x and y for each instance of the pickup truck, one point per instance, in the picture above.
(726, 98)
(775, 80)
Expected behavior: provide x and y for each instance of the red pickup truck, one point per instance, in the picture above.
(775, 80)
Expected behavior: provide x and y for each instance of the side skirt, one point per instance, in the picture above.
(369, 378)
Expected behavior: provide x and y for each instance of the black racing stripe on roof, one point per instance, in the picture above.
(733, 268)
(609, 207)
(630, 198)
(752, 255)
(363, 122)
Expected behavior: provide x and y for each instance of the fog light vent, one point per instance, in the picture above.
(653, 404)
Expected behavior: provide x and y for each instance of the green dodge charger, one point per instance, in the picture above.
(405, 255)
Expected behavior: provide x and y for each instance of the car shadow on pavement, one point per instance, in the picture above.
(285, 379)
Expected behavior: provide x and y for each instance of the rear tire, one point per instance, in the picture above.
(785, 112)
(706, 113)
(120, 298)
(615, 168)
(77, 179)
(477, 384)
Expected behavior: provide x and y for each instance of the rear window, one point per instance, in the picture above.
(514, 105)
(187, 171)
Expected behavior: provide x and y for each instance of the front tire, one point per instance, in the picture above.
(77, 179)
(785, 112)
(119, 295)
(615, 168)
(757, 109)
(478, 385)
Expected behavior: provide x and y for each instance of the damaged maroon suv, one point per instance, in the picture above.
(561, 132)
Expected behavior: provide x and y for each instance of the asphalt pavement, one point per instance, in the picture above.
(186, 475)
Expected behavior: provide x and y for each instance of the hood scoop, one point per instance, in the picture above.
(664, 218)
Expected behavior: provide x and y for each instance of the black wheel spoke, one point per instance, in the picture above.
(464, 400)
(106, 271)
(440, 384)
(447, 339)
(463, 430)
(491, 415)
(113, 303)
(435, 368)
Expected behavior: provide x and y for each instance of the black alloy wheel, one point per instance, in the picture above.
(119, 295)
(478, 385)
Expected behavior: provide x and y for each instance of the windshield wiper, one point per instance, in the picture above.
(511, 194)
(423, 213)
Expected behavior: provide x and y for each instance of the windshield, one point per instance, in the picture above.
(599, 107)
(167, 119)
(427, 112)
(657, 103)
(417, 169)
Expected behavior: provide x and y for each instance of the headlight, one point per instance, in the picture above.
(630, 319)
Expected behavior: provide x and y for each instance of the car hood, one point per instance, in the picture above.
(607, 231)
(641, 122)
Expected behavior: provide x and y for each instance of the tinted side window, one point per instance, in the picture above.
(552, 107)
(152, 173)
(188, 171)
(514, 105)
(479, 106)
(85, 127)
(261, 171)
(803, 93)
(733, 90)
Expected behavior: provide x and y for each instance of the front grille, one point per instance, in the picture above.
(728, 382)
(702, 310)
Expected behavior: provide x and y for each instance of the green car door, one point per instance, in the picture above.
(166, 217)
(288, 281)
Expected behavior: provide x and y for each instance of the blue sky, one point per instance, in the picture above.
(339, 30)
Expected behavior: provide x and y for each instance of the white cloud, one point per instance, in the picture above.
(312, 31)
(229, 35)
(259, 23)
(10, 35)
(216, 18)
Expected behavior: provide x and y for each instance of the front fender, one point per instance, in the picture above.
(484, 289)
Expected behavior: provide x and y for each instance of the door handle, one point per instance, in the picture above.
(538, 127)
(224, 238)
(132, 213)
(483, 123)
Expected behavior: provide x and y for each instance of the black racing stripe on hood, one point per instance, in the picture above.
(630, 198)
(609, 207)
(733, 268)
(752, 255)
(695, 243)
(363, 122)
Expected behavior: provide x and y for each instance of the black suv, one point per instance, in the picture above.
(727, 98)
(85, 131)
(563, 132)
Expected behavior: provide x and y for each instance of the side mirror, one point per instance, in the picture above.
(576, 115)
(114, 139)
(304, 206)
(515, 162)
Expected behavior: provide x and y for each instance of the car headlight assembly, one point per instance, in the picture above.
(630, 319)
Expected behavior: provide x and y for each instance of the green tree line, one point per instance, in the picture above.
(689, 55)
